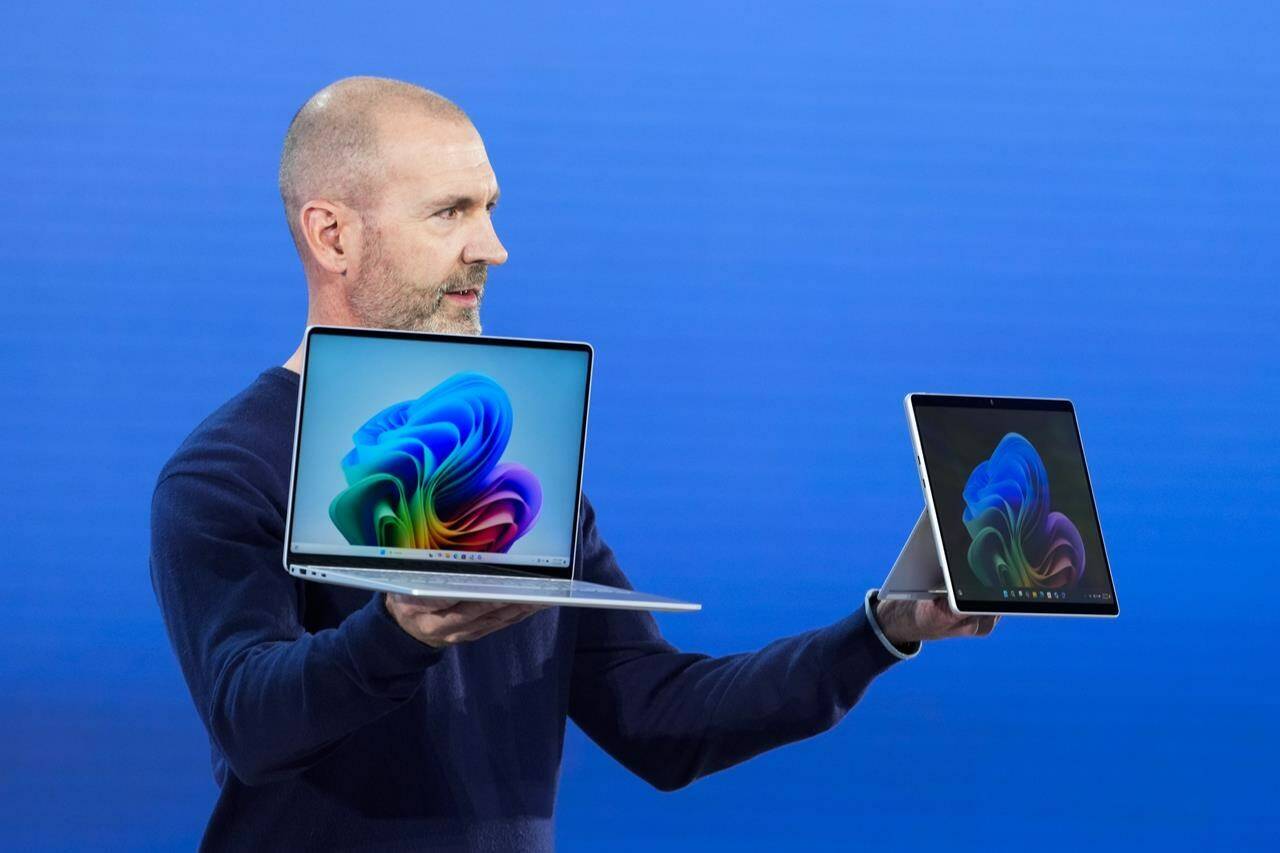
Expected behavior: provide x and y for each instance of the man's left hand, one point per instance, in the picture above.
(905, 622)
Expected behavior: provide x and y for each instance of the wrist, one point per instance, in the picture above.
(887, 616)
(886, 620)
(404, 622)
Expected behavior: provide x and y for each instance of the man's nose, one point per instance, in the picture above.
(485, 247)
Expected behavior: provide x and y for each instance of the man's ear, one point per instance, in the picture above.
(331, 229)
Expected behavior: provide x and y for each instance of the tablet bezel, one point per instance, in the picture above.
(1029, 608)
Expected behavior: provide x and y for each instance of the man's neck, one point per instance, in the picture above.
(325, 319)
(295, 361)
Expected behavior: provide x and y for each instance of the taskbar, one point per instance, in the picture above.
(430, 555)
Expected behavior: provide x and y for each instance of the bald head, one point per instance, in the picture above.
(331, 149)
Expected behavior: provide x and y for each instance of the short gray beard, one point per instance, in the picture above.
(384, 299)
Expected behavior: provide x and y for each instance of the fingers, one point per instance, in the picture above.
(470, 609)
(422, 603)
(493, 621)
(464, 620)
(975, 626)
(986, 625)
(461, 616)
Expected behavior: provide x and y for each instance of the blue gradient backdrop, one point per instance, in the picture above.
(772, 220)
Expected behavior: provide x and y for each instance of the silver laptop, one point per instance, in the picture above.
(447, 466)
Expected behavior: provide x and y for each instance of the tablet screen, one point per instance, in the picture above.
(1014, 505)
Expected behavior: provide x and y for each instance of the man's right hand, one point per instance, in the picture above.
(440, 622)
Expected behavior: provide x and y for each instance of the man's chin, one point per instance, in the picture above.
(453, 327)
(440, 321)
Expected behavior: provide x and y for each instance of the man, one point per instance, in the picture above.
(341, 719)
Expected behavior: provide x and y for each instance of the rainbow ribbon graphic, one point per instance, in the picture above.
(424, 473)
(1016, 540)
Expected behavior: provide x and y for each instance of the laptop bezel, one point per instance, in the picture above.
(1027, 608)
(349, 561)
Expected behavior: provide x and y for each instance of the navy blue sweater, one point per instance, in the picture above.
(332, 728)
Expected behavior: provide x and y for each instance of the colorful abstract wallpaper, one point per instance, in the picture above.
(1018, 539)
(425, 473)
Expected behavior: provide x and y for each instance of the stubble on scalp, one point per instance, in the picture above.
(331, 147)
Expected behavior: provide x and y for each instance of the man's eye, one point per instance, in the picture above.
(448, 213)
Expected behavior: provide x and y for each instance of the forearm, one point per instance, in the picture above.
(791, 689)
(672, 717)
(273, 696)
(279, 706)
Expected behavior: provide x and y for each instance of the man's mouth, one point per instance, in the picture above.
(463, 297)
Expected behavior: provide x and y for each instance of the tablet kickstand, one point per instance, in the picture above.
(916, 574)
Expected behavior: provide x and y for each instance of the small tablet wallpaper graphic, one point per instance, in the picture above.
(1017, 538)
(426, 473)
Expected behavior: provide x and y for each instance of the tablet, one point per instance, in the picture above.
(1012, 508)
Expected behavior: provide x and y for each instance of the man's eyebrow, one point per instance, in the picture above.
(456, 200)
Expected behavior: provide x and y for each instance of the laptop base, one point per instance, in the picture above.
(564, 593)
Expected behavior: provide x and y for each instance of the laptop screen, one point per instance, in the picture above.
(439, 452)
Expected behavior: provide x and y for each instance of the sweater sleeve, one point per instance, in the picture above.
(274, 697)
(672, 717)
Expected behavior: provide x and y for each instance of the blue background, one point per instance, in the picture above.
(350, 380)
(772, 220)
